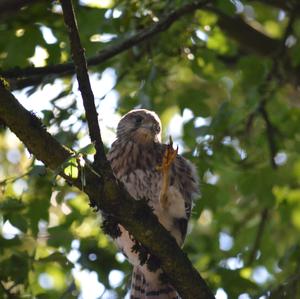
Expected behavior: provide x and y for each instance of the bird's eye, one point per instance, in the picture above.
(138, 120)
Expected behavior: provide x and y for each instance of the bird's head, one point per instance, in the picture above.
(140, 126)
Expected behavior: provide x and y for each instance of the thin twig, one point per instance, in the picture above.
(270, 132)
(6, 291)
(84, 82)
(261, 227)
(13, 179)
(289, 287)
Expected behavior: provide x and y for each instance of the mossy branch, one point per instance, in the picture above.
(110, 197)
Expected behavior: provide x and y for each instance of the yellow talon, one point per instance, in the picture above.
(168, 158)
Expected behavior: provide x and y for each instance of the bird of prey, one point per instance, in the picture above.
(153, 171)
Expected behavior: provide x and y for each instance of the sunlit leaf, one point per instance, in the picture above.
(88, 150)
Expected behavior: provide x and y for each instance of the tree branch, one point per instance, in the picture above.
(14, 5)
(68, 68)
(109, 196)
(247, 37)
(84, 82)
(56, 153)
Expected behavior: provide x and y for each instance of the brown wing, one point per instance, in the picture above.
(184, 176)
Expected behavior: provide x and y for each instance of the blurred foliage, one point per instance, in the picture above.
(234, 113)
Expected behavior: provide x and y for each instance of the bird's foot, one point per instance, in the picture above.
(168, 158)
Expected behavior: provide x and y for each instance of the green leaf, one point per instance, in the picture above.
(15, 267)
(57, 257)
(60, 236)
(226, 6)
(71, 168)
(10, 205)
(18, 221)
(254, 70)
(7, 243)
(88, 150)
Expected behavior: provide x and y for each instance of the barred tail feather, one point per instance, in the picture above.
(142, 289)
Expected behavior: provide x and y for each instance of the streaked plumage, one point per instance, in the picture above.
(135, 156)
